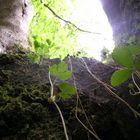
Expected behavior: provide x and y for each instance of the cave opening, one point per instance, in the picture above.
(90, 15)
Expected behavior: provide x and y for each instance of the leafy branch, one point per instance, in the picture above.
(129, 58)
(67, 21)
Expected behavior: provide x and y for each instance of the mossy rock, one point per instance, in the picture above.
(26, 114)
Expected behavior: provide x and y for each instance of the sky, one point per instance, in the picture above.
(89, 15)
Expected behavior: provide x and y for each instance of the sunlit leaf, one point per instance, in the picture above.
(125, 55)
(48, 32)
(120, 76)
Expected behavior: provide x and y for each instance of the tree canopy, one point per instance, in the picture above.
(51, 36)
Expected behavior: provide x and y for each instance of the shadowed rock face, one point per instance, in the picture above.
(24, 106)
(124, 16)
(15, 16)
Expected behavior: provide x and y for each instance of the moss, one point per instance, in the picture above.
(24, 109)
(26, 114)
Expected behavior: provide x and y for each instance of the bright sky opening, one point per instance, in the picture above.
(89, 15)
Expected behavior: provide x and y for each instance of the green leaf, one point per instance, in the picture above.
(134, 49)
(120, 55)
(120, 76)
(53, 69)
(48, 33)
(67, 91)
(60, 71)
(124, 55)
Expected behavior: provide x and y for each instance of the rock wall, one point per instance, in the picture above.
(15, 17)
(27, 114)
(124, 16)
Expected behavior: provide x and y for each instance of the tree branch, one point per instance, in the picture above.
(67, 21)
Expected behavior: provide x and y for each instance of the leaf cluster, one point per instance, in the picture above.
(51, 37)
(61, 72)
(129, 58)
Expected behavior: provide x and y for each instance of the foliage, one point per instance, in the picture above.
(120, 76)
(51, 37)
(61, 72)
(54, 38)
(24, 113)
(129, 58)
(67, 90)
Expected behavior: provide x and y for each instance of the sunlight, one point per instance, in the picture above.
(89, 15)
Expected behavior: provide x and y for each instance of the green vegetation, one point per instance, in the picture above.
(51, 37)
(60, 71)
(129, 58)
(24, 107)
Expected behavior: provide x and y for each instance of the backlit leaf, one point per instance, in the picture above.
(125, 55)
(120, 76)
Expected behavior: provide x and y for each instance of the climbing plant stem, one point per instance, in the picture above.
(135, 83)
(50, 80)
(52, 97)
(63, 122)
(136, 114)
(76, 111)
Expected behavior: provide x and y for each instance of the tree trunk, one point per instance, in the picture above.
(15, 17)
